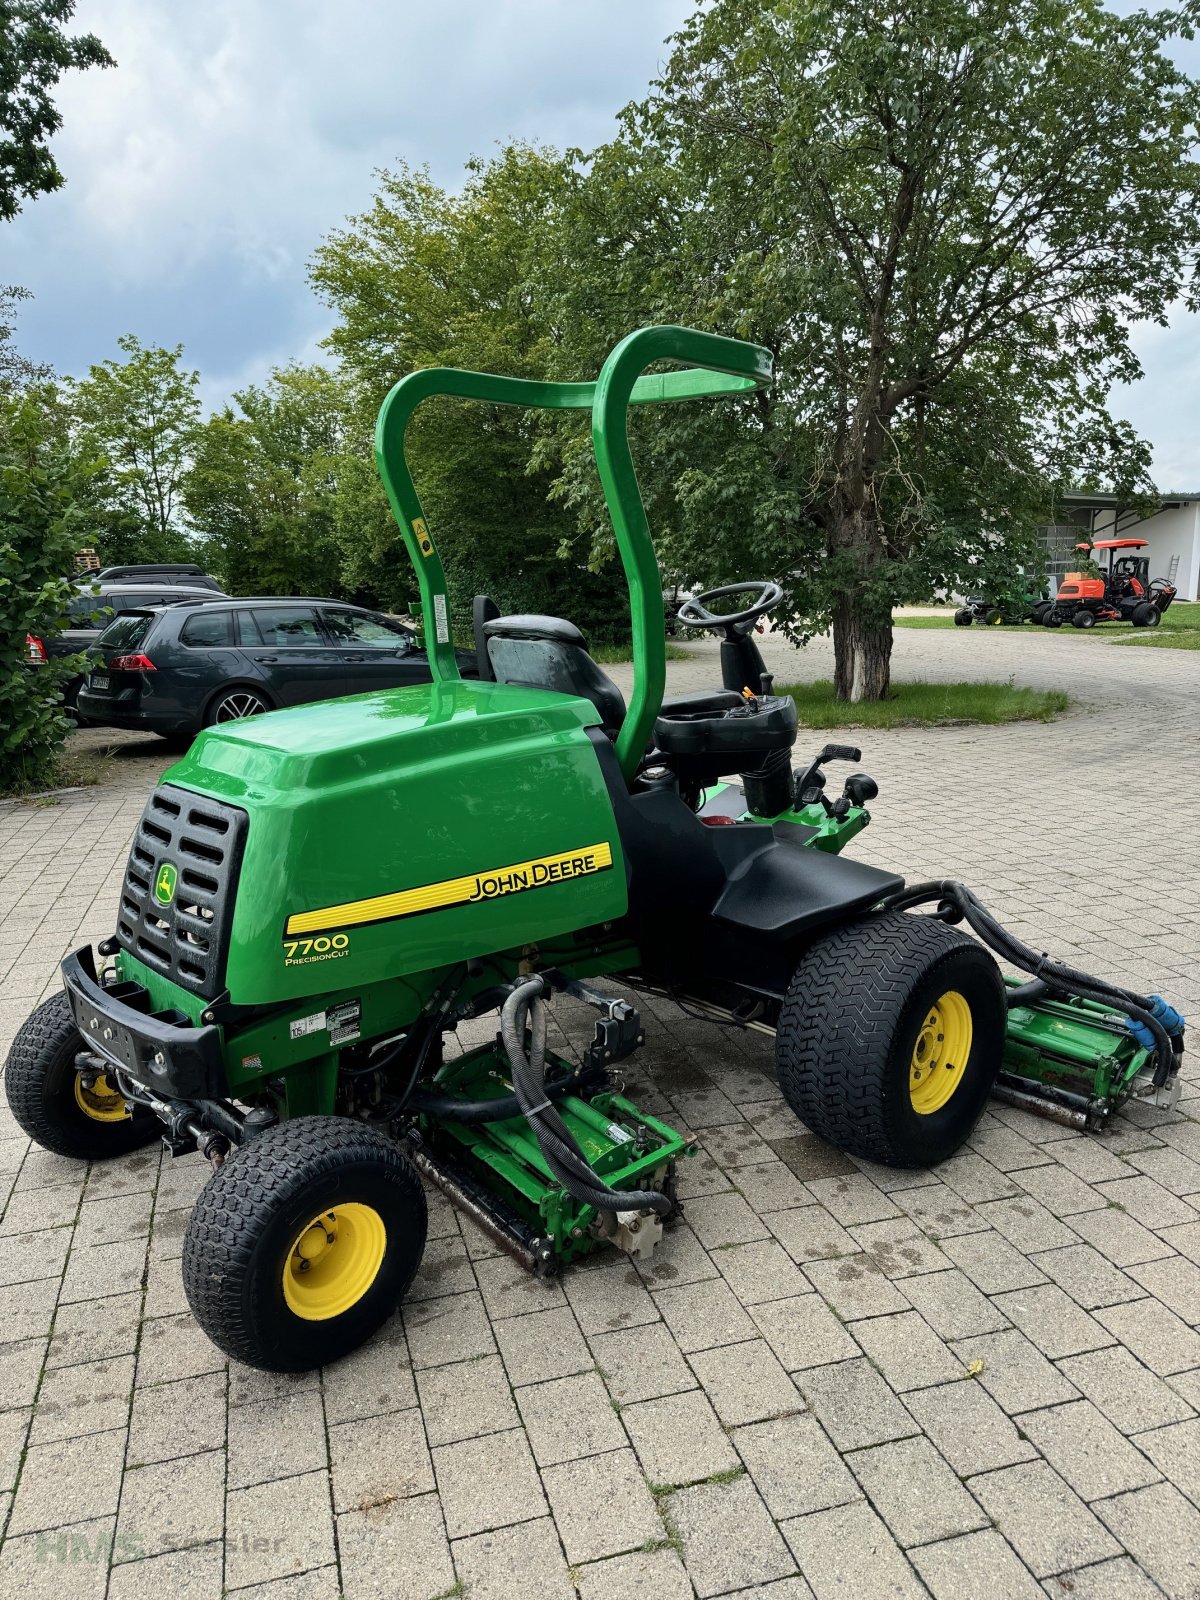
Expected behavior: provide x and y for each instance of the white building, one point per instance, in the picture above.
(1172, 534)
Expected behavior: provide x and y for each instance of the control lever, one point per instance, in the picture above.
(813, 778)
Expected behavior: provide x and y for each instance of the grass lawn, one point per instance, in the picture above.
(926, 705)
(610, 655)
(1179, 629)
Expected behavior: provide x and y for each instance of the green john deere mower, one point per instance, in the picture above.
(316, 897)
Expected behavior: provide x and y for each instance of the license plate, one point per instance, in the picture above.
(100, 680)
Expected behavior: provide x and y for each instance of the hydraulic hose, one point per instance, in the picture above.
(957, 902)
(558, 1146)
(498, 1109)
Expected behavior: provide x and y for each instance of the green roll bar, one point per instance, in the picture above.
(713, 365)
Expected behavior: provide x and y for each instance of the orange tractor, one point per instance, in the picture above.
(1122, 591)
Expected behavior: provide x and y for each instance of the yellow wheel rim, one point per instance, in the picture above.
(333, 1261)
(102, 1103)
(940, 1054)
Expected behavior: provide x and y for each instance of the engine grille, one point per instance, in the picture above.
(178, 895)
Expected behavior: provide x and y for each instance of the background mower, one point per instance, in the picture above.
(1123, 590)
(1019, 603)
(316, 897)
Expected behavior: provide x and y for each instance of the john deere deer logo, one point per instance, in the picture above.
(164, 884)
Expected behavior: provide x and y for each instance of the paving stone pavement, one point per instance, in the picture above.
(780, 1405)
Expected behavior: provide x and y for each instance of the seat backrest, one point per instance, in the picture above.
(548, 653)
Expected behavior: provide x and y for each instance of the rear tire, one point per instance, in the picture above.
(46, 1096)
(855, 1050)
(1084, 619)
(247, 1242)
(232, 705)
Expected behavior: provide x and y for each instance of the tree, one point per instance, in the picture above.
(40, 530)
(942, 216)
(262, 488)
(426, 278)
(15, 369)
(140, 417)
(34, 54)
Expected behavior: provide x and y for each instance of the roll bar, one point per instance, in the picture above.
(712, 365)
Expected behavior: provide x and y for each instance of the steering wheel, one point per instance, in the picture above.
(694, 613)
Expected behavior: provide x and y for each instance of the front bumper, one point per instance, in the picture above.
(169, 1059)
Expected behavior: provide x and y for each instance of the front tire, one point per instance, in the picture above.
(870, 1029)
(302, 1245)
(49, 1101)
(963, 618)
(1052, 619)
(1084, 619)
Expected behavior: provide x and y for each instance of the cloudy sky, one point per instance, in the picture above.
(234, 133)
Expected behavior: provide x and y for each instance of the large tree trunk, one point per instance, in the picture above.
(862, 638)
(862, 653)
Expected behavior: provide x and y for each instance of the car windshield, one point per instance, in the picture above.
(126, 633)
(367, 629)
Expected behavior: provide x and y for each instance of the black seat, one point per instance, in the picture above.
(549, 653)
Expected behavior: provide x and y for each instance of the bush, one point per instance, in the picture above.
(39, 535)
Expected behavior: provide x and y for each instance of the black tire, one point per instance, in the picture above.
(993, 617)
(853, 1020)
(1084, 618)
(231, 704)
(1039, 612)
(963, 618)
(1151, 616)
(40, 1081)
(247, 1225)
(1052, 619)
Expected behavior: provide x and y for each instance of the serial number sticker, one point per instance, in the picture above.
(306, 1025)
(325, 947)
(441, 619)
(617, 1134)
(345, 1022)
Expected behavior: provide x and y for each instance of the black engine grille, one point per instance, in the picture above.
(186, 939)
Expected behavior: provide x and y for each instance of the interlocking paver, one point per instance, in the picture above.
(794, 1466)
(602, 1506)
(968, 1427)
(1044, 1520)
(487, 1483)
(830, 1545)
(729, 1537)
(1087, 1450)
(1067, 1265)
(915, 1491)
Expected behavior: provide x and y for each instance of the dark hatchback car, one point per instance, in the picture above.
(176, 669)
(95, 606)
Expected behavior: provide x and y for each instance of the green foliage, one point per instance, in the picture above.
(139, 416)
(40, 484)
(15, 368)
(263, 486)
(426, 278)
(34, 54)
(942, 218)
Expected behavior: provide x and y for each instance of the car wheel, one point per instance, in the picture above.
(235, 704)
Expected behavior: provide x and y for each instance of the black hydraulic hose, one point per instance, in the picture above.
(558, 1146)
(956, 897)
(498, 1109)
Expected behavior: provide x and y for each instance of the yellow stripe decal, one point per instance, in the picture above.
(468, 890)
